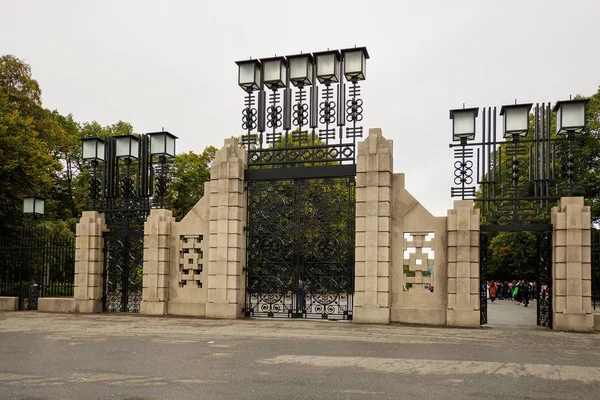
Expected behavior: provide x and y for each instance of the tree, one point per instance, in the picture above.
(190, 172)
(26, 163)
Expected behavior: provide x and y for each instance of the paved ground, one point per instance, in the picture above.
(508, 314)
(67, 356)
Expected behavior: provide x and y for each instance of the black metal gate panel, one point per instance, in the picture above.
(483, 257)
(124, 260)
(123, 263)
(35, 263)
(544, 284)
(300, 248)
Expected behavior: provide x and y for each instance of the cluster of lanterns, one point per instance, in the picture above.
(570, 119)
(162, 144)
(301, 69)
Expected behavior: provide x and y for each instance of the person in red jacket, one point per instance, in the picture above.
(493, 290)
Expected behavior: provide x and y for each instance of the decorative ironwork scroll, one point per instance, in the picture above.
(123, 262)
(303, 125)
(300, 248)
(518, 179)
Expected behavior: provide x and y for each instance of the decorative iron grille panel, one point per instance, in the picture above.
(544, 285)
(300, 248)
(35, 263)
(483, 249)
(123, 260)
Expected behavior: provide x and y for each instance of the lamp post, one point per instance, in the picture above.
(275, 77)
(463, 130)
(34, 206)
(250, 80)
(93, 152)
(570, 121)
(516, 120)
(301, 75)
(162, 145)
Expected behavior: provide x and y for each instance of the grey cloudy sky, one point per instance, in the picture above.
(171, 63)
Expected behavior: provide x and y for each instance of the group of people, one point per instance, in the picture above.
(519, 291)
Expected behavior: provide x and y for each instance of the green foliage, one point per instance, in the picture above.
(190, 172)
(513, 255)
(27, 165)
(40, 153)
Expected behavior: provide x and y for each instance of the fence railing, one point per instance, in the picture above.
(36, 263)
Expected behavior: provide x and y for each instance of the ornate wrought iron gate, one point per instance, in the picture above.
(300, 176)
(300, 248)
(123, 264)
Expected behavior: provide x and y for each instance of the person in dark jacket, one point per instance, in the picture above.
(524, 291)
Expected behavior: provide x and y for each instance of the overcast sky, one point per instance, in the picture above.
(171, 64)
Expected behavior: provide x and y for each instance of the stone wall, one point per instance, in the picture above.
(373, 228)
(89, 262)
(571, 266)
(156, 269)
(463, 265)
(189, 261)
(195, 267)
(418, 272)
(227, 238)
(400, 272)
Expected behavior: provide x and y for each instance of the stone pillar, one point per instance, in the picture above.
(227, 240)
(463, 265)
(89, 262)
(157, 234)
(571, 266)
(373, 229)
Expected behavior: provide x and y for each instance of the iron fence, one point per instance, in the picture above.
(36, 263)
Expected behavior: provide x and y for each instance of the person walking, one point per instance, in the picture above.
(493, 290)
(524, 290)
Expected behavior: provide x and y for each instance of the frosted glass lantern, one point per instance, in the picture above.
(249, 74)
(355, 63)
(570, 116)
(328, 66)
(92, 149)
(127, 146)
(516, 120)
(463, 123)
(34, 205)
(162, 144)
(274, 72)
(301, 69)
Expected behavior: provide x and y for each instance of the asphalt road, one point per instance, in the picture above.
(69, 356)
